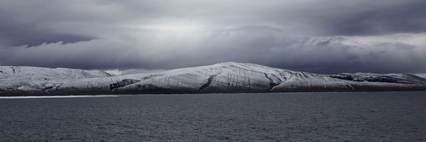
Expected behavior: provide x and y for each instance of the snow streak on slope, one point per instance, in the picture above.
(222, 77)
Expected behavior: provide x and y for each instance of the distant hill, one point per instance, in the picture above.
(226, 77)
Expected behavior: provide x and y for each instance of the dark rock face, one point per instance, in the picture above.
(122, 83)
(272, 83)
(363, 77)
(209, 81)
(343, 76)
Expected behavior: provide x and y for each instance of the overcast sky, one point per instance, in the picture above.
(324, 36)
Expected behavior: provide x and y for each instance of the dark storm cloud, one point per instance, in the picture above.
(309, 35)
(15, 36)
(408, 17)
(44, 21)
(323, 55)
(15, 33)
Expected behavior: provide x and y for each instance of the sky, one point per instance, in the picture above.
(323, 36)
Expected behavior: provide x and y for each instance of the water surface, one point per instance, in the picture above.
(376, 116)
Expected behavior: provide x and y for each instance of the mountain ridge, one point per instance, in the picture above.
(227, 77)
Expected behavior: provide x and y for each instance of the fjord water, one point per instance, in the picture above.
(374, 116)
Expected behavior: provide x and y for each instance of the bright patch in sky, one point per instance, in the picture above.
(177, 28)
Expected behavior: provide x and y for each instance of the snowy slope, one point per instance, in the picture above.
(222, 77)
(37, 73)
(422, 75)
(27, 78)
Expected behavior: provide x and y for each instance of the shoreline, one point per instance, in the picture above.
(167, 94)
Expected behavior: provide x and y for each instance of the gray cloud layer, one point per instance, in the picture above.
(308, 35)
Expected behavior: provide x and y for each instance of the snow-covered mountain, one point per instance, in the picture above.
(222, 77)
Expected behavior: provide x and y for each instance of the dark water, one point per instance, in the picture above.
(385, 116)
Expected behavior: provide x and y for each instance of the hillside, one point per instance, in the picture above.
(223, 77)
